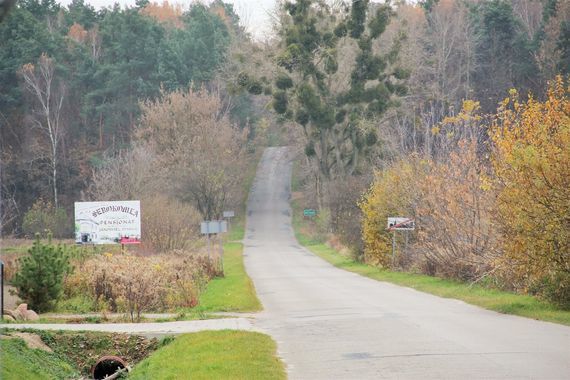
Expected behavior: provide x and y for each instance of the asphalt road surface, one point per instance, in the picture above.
(332, 324)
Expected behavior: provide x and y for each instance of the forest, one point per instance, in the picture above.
(451, 112)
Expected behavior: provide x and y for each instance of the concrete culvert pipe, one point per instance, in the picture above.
(107, 366)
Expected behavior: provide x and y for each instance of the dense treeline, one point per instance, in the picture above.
(72, 79)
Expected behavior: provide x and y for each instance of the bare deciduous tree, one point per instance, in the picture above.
(199, 151)
(449, 45)
(128, 175)
(40, 81)
(8, 206)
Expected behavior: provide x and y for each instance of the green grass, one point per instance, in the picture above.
(19, 250)
(74, 353)
(214, 355)
(488, 298)
(234, 292)
(78, 304)
(20, 362)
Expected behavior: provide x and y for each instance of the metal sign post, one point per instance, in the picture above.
(208, 244)
(221, 253)
(229, 215)
(393, 247)
(215, 227)
(2, 290)
(399, 224)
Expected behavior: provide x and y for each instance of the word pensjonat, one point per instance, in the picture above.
(125, 209)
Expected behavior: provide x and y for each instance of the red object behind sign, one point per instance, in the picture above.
(128, 240)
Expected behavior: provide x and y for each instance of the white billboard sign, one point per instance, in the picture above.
(214, 227)
(229, 214)
(112, 222)
(401, 224)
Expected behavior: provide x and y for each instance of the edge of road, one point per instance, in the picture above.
(474, 294)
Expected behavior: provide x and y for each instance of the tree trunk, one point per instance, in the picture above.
(54, 173)
(100, 130)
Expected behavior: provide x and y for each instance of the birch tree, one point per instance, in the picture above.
(41, 83)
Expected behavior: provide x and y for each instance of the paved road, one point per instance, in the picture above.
(147, 329)
(332, 324)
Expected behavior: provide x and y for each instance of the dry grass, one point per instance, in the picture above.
(136, 284)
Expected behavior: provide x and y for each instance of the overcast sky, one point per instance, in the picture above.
(253, 13)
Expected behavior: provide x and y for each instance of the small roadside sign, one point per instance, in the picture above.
(401, 224)
(398, 223)
(229, 214)
(213, 227)
(309, 212)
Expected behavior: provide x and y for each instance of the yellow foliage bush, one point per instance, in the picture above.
(531, 160)
(394, 192)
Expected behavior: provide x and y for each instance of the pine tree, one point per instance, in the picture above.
(39, 281)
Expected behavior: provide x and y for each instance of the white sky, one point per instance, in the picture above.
(253, 13)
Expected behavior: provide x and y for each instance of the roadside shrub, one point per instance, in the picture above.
(136, 284)
(40, 278)
(451, 199)
(555, 288)
(394, 193)
(531, 159)
(169, 224)
(137, 287)
(346, 216)
(455, 232)
(10, 266)
(44, 217)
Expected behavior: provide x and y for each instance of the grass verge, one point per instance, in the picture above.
(74, 353)
(20, 362)
(214, 355)
(487, 298)
(235, 291)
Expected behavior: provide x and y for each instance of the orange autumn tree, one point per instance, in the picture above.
(165, 13)
(454, 218)
(531, 160)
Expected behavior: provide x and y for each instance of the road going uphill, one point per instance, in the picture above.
(333, 324)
